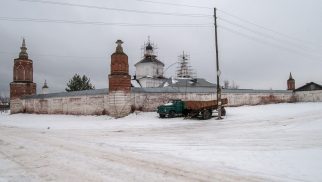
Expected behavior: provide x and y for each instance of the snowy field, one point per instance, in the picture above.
(281, 142)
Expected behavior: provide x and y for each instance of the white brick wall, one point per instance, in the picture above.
(149, 102)
(309, 96)
(119, 104)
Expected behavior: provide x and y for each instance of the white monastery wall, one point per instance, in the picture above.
(80, 105)
(150, 101)
(309, 96)
(17, 106)
(119, 104)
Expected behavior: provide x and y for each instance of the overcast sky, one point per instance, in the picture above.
(282, 37)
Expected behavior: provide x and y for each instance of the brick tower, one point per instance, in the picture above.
(119, 79)
(22, 84)
(119, 84)
(290, 83)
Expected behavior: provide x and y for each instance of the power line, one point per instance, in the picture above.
(80, 22)
(264, 34)
(51, 55)
(236, 17)
(315, 57)
(175, 4)
(173, 14)
(131, 24)
(268, 29)
(127, 24)
(117, 9)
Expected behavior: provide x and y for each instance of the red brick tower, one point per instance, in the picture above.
(119, 79)
(290, 83)
(22, 84)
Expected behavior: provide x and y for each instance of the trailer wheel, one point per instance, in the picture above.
(223, 111)
(162, 115)
(172, 114)
(206, 114)
(185, 113)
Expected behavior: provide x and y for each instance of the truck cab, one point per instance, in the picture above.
(171, 109)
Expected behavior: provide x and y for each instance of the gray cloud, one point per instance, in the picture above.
(60, 50)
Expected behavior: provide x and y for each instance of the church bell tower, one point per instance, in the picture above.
(119, 79)
(290, 83)
(22, 84)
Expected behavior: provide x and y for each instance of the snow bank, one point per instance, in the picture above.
(280, 142)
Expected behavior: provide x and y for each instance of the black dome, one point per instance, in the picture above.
(149, 47)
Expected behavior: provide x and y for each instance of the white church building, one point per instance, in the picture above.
(149, 71)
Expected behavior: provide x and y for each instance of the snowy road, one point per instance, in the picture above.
(280, 142)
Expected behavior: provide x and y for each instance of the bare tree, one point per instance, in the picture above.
(226, 84)
(232, 86)
(4, 104)
(4, 99)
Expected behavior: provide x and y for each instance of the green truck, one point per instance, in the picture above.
(201, 109)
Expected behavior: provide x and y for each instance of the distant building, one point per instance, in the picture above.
(45, 88)
(22, 84)
(149, 71)
(309, 87)
(290, 83)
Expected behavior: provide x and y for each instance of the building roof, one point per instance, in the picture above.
(149, 56)
(309, 87)
(201, 90)
(290, 77)
(190, 82)
(152, 90)
(45, 85)
(150, 59)
(135, 83)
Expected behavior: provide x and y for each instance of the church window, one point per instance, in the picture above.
(20, 73)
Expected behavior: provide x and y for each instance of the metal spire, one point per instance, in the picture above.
(23, 50)
(291, 78)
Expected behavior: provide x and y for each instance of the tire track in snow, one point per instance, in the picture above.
(41, 153)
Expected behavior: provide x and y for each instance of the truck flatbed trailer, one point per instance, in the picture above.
(203, 109)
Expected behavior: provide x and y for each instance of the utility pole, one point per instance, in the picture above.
(218, 70)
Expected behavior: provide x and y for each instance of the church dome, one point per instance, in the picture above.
(149, 47)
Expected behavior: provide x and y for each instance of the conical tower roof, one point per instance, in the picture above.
(290, 78)
(23, 50)
(45, 85)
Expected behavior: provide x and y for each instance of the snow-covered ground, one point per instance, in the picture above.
(281, 142)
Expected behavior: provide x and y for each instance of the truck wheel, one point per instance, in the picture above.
(223, 111)
(206, 114)
(185, 113)
(172, 114)
(162, 115)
